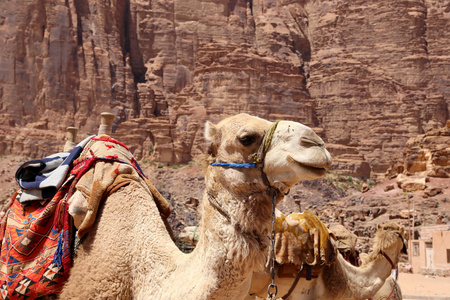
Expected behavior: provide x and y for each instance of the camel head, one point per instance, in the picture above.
(390, 238)
(295, 151)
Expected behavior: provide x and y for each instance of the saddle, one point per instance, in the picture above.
(302, 242)
(37, 235)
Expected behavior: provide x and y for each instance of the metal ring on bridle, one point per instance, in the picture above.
(272, 286)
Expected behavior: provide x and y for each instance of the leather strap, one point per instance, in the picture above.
(388, 259)
(294, 284)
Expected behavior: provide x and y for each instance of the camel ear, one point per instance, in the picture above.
(211, 132)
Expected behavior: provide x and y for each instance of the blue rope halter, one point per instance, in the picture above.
(271, 191)
(259, 156)
(248, 165)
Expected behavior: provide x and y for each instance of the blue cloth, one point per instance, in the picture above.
(41, 178)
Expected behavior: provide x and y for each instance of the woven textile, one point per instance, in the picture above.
(36, 235)
(35, 248)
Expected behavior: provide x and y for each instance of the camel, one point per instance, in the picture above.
(346, 243)
(341, 280)
(390, 290)
(129, 253)
(352, 285)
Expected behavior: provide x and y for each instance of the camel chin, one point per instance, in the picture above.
(309, 172)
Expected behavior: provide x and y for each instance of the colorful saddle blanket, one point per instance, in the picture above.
(36, 236)
(35, 231)
(35, 248)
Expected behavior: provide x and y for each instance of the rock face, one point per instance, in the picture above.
(426, 155)
(365, 76)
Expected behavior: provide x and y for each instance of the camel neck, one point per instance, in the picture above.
(371, 276)
(220, 267)
(231, 219)
(227, 256)
(231, 233)
(242, 203)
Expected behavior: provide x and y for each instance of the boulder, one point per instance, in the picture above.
(388, 188)
(411, 184)
(430, 192)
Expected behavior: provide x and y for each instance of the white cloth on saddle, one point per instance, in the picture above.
(41, 178)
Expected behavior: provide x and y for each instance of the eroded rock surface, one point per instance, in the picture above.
(366, 76)
(426, 155)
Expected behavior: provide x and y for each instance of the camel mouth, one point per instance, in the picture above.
(318, 170)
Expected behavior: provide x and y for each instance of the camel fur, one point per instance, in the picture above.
(129, 254)
(390, 290)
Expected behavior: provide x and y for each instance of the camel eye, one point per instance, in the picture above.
(247, 140)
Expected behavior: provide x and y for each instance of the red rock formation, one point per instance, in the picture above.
(367, 76)
(426, 155)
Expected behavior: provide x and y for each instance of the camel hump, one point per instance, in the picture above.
(104, 166)
(301, 238)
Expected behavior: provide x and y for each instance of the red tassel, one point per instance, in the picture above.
(59, 217)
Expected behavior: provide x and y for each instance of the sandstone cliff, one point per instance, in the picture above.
(427, 155)
(366, 75)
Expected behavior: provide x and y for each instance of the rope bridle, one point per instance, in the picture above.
(404, 251)
(388, 259)
(258, 163)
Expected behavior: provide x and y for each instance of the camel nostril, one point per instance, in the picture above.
(308, 142)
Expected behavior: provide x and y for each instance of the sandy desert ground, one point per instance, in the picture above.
(417, 286)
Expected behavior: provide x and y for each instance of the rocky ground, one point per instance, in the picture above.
(8, 185)
(331, 198)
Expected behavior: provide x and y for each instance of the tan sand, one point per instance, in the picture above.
(424, 286)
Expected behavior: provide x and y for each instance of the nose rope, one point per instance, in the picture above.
(258, 157)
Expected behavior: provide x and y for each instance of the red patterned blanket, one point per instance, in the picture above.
(35, 248)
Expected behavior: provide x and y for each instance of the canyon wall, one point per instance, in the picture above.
(427, 155)
(366, 75)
